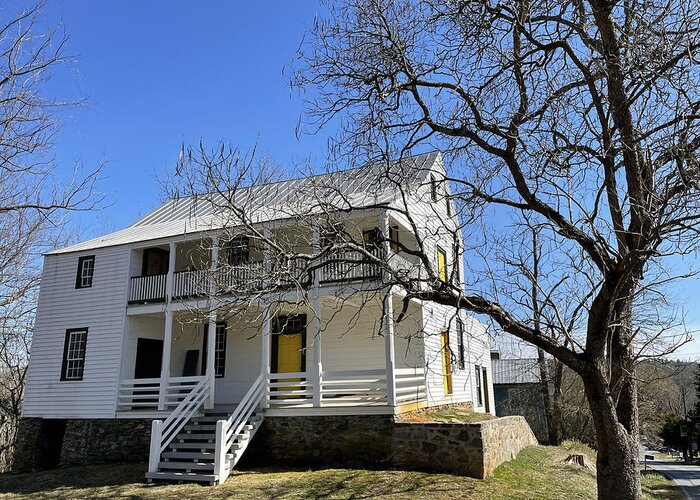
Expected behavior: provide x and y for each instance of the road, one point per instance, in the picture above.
(685, 476)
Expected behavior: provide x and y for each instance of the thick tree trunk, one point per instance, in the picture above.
(618, 447)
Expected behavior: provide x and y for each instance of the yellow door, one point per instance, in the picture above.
(442, 266)
(446, 362)
(289, 360)
(289, 353)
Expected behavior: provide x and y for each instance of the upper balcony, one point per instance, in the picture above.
(243, 268)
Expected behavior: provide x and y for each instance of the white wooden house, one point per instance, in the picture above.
(123, 330)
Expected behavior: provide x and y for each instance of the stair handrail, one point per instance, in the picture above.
(227, 430)
(163, 432)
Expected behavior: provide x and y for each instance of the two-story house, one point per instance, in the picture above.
(202, 324)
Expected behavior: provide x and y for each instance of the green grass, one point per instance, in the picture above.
(538, 472)
(448, 414)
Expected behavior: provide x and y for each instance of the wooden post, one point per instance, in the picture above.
(219, 451)
(211, 337)
(154, 453)
(317, 366)
(168, 333)
(165, 362)
(388, 318)
(389, 349)
(265, 360)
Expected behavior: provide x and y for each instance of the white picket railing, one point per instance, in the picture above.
(228, 430)
(349, 265)
(163, 432)
(142, 394)
(342, 266)
(285, 390)
(354, 388)
(244, 277)
(147, 288)
(190, 283)
(410, 385)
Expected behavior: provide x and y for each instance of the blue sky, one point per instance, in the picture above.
(157, 74)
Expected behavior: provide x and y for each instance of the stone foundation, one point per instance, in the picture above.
(341, 441)
(48, 443)
(474, 449)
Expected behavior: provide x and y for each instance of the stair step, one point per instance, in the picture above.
(200, 427)
(193, 446)
(191, 436)
(191, 466)
(191, 455)
(183, 476)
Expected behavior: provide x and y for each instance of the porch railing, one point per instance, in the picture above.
(228, 430)
(410, 385)
(289, 390)
(343, 266)
(163, 432)
(143, 394)
(349, 265)
(354, 388)
(147, 289)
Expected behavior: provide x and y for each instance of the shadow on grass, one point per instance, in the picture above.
(91, 476)
(127, 481)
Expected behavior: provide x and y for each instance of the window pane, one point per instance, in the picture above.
(74, 361)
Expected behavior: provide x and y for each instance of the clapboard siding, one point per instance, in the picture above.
(61, 306)
(477, 352)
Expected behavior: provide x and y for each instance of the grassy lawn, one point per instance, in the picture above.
(447, 414)
(538, 472)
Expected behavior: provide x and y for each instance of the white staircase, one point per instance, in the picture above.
(205, 448)
(191, 456)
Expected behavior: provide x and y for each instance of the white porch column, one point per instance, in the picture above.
(168, 333)
(265, 361)
(211, 336)
(317, 366)
(165, 362)
(388, 319)
(389, 349)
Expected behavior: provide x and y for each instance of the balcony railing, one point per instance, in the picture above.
(147, 289)
(350, 265)
(342, 266)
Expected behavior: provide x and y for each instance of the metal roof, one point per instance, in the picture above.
(515, 371)
(356, 188)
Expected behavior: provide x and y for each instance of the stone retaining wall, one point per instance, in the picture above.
(47, 443)
(474, 449)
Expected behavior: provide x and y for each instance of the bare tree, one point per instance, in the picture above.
(34, 202)
(581, 115)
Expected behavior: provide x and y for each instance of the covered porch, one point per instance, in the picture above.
(330, 354)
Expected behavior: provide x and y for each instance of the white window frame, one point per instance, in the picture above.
(75, 348)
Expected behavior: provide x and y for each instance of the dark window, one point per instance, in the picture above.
(460, 340)
(155, 262)
(394, 238)
(448, 202)
(433, 188)
(239, 251)
(372, 238)
(74, 354)
(219, 350)
(479, 396)
(441, 265)
(457, 266)
(86, 268)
